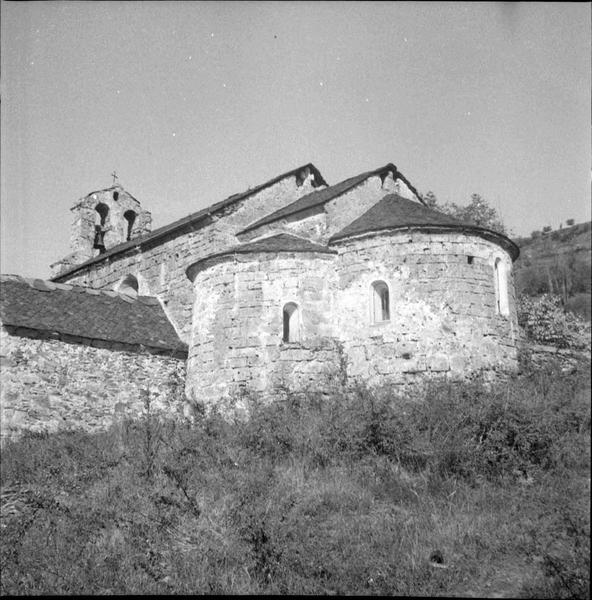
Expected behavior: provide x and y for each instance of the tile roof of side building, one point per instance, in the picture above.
(318, 198)
(80, 312)
(192, 219)
(281, 242)
(395, 212)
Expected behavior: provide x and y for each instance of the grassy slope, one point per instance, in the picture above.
(546, 247)
(464, 491)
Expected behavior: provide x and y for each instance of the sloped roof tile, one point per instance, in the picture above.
(396, 212)
(281, 242)
(86, 313)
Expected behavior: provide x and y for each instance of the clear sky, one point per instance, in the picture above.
(191, 102)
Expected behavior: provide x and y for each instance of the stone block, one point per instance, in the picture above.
(438, 362)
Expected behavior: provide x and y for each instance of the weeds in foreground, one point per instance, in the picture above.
(360, 493)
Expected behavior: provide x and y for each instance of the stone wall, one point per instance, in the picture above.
(443, 316)
(347, 208)
(160, 267)
(538, 356)
(237, 341)
(49, 385)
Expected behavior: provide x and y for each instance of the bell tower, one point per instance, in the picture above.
(102, 220)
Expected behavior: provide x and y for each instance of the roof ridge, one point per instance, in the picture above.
(379, 218)
(47, 285)
(204, 212)
(355, 181)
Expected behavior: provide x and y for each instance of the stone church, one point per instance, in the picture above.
(296, 283)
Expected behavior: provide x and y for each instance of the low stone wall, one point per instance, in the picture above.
(50, 385)
(539, 356)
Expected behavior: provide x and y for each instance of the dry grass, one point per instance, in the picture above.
(467, 490)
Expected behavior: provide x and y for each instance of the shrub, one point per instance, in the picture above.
(545, 321)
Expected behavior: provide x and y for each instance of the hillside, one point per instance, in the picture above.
(557, 262)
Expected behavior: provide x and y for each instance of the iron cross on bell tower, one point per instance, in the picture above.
(114, 175)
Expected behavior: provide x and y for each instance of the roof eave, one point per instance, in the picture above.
(195, 267)
(505, 242)
(181, 348)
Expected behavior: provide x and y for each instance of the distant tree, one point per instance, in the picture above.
(569, 222)
(477, 212)
(535, 234)
(547, 228)
(430, 200)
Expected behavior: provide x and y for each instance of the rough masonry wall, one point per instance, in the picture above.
(160, 269)
(237, 341)
(443, 318)
(114, 228)
(347, 208)
(48, 385)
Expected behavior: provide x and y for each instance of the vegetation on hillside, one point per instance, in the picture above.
(544, 320)
(558, 263)
(462, 490)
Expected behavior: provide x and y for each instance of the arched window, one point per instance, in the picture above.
(129, 286)
(291, 324)
(100, 220)
(380, 302)
(103, 211)
(130, 217)
(501, 287)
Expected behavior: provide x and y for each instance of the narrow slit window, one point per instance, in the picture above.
(501, 287)
(291, 331)
(380, 302)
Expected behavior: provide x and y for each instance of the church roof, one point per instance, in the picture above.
(82, 312)
(320, 197)
(281, 242)
(396, 212)
(189, 221)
